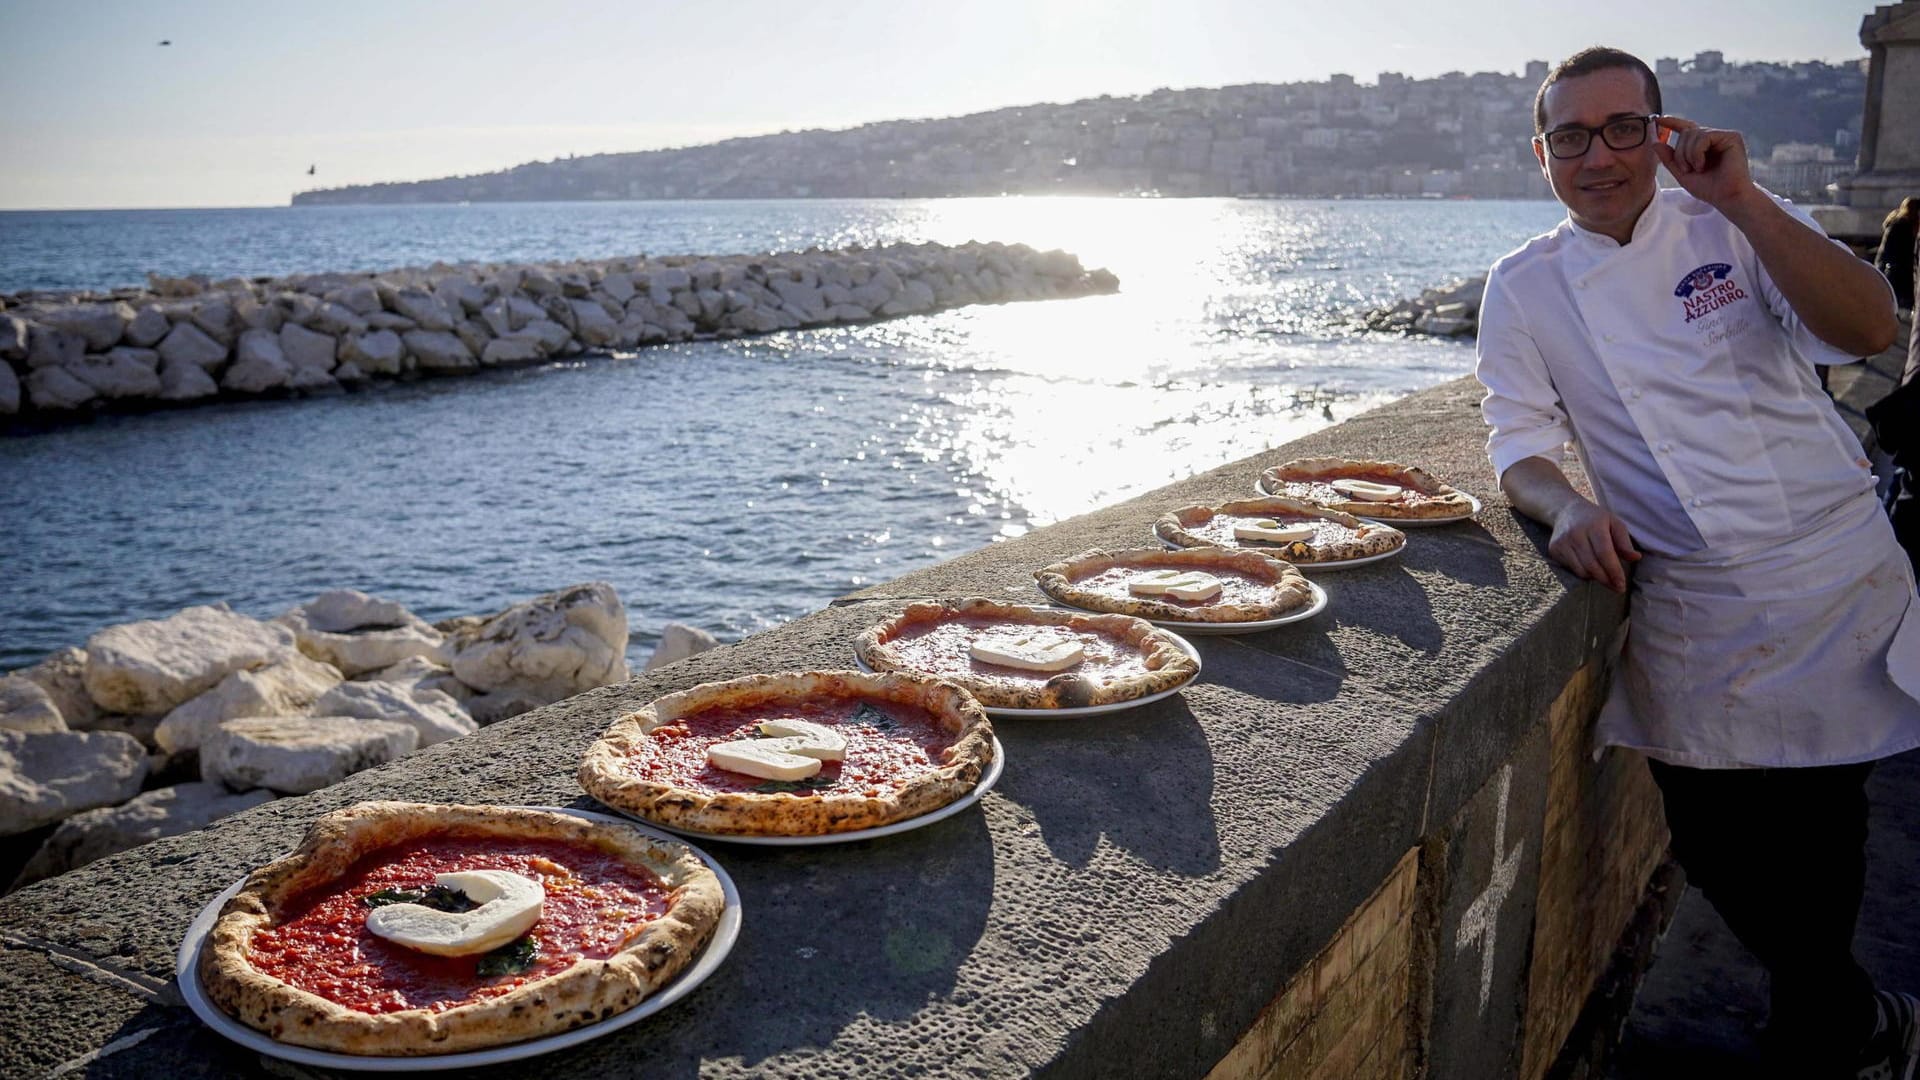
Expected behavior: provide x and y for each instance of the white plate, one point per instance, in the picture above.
(187, 973)
(1314, 607)
(1307, 567)
(1398, 523)
(1087, 710)
(992, 777)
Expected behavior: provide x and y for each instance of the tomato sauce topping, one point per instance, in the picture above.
(1235, 588)
(888, 743)
(595, 904)
(1321, 490)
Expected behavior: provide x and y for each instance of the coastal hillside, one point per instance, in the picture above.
(1457, 134)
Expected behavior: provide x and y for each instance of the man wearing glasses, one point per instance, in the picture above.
(1774, 650)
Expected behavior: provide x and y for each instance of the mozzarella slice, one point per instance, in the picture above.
(1270, 530)
(509, 906)
(1038, 651)
(1367, 490)
(1179, 584)
(768, 759)
(815, 740)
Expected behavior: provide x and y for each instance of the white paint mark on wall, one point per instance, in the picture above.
(1483, 915)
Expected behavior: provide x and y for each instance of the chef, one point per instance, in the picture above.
(1774, 646)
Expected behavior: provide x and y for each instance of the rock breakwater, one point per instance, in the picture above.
(187, 340)
(1448, 311)
(162, 726)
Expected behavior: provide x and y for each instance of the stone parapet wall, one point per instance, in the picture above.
(187, 340)
(1376, 831)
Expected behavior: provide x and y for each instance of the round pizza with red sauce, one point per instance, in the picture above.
(797, 754)
(406, 929)
(1296, 531)
(1202, 584)
(1012, 656)
(1375, 489)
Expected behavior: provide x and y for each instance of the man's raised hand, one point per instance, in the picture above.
(1710, 163)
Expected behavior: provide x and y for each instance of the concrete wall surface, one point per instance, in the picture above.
(1369, 844)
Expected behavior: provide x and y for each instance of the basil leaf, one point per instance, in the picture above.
(441, 898)
(811, 783)
(510, 959)
(438, 897)
(867, 714)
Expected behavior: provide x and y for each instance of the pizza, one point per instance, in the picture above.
(407, 929)
(1201, 584)
(1299, 532)
(1375, 489)
(796, 754)
(1012, 656)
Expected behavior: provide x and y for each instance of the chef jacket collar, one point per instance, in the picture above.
(1641, 227)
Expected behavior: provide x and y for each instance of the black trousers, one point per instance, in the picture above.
(1781, 855)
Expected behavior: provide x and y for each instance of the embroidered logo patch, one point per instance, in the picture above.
(1706, 288)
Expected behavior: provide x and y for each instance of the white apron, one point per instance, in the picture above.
(1804, 651)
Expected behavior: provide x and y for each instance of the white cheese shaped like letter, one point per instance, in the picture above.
(808, 739)
(1367, 490)
(510, 904)
(768, 759)
(1179, 584)
(1272, 531)
(1037, 651)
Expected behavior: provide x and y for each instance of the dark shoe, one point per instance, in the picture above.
(1894, 1052)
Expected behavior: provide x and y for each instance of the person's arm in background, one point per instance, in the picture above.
(1840, 298)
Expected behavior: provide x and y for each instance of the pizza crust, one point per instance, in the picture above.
(606, 775)
(1441, 499)
(589, 991)
(1168, 665)
(1285, 588)
(1366, 539)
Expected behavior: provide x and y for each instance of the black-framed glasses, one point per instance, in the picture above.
(1626, 133)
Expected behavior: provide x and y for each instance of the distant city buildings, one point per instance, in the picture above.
(1457, 135)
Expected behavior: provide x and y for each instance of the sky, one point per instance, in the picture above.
(95, 113)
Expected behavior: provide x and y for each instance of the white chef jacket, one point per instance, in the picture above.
(1774, 618)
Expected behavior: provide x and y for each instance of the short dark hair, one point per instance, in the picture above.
(1586, 62)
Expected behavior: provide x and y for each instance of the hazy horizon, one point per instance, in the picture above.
(233, 112)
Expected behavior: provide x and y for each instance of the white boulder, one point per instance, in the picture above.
(550, 647)
(296, 755)
(167, 811)
(122, 373)
(431, 714)
(423, 308)
(439, 350)
(511, 350)
(150, 667)
(149, 325)
(47, 776)
(358, 633)
(182, 380)
(26, 706)
(286, 687)
(677, 642)
(51, 347)
(99, 325)
(57, 388)
(378, 352)
(593, 325)
(259, 364)
(305, 349)
(188, 344)
(63, 675)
